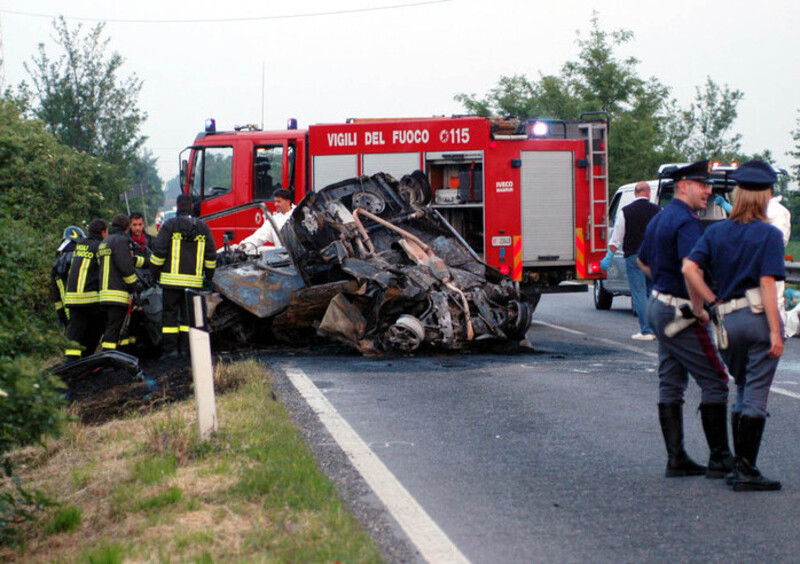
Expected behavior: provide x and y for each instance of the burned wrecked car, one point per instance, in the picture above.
(366, 262)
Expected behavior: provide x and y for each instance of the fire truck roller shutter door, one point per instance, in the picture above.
(396, 164)
(329, 169)
(548, 207)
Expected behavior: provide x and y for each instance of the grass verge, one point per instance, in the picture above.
(146, 488)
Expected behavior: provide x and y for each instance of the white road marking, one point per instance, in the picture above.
(783, 391)
(617, 344)
(432, 543)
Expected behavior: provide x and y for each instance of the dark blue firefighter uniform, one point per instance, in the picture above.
(737, 256)
(669, 238)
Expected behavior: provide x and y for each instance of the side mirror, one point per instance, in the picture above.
(184, 171)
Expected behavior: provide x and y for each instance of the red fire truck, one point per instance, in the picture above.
(530, 196)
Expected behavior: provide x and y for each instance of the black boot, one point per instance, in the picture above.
(169, 346)
(670, 415)
(715, 426)
(735, 416)
(747, 476)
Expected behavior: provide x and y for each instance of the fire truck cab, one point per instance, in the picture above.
(530, 196)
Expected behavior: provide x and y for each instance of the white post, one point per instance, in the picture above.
(202, 371)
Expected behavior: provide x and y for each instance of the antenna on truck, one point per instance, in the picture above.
(262, 94)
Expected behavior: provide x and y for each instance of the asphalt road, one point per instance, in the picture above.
(556, 455)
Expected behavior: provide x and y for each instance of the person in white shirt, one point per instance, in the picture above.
(266, 234)
(780, 217)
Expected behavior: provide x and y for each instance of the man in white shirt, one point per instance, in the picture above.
(629, 228)
(266, 234)
(780, 217)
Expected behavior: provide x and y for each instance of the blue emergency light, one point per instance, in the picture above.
(211, 125)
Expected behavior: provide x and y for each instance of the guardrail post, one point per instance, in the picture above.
(202, 368)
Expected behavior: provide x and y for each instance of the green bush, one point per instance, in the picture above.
(44, 187)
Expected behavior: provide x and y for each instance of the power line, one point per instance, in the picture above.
(229, 20)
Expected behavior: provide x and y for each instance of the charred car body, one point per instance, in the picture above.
(366, 262)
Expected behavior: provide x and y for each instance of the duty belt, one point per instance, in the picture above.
(670, 300)
(732, 305)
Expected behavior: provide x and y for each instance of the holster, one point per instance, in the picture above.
(753, 296)
(720, 333)
(678, 324)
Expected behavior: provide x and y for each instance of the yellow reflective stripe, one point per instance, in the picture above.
(127, 341)
(180, 280)
(139, 261)
(61, 289)
(105, 345)
(129, 279)
(106, 260)
(118, 296)
(184, 328)
(211, 264)
(169, 330)
(76, 298)
(82, 272)
(59, 305)
(158, 261)
(174, 267)
(201, 251)
(73, 352)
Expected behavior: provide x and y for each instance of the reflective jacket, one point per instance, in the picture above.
(182, 251)
(82, 280)
(58, 278)
(117, 268)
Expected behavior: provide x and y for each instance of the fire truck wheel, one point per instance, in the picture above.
(602, 297)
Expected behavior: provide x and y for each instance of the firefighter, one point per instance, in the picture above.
(183, 251)
(81, 296)
(744, 255)
(60, 271)
(118, 279)
(669, 238)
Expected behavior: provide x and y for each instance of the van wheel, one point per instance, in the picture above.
(602, 298)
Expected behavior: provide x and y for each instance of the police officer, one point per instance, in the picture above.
(117, 279)
(60, 271)
(744, 255)
(81, 295)
(182, 251)
(669, 238)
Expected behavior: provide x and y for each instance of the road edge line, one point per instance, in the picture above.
(433, 544)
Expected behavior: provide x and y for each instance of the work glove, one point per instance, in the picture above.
(137, 287)
(605, 264)
(723, 203)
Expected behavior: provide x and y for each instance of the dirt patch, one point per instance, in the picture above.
(106, 394)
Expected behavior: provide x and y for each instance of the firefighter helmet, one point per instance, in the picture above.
(73, 233)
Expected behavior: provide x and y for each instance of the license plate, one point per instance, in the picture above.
(501, 241)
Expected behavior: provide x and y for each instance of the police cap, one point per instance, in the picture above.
(697, 171)
(283, 193)
(754, 175)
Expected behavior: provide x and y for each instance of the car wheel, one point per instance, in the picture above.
(602, 297)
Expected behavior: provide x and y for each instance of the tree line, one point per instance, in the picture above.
(647, 126)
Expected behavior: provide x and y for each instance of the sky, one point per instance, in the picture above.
(326, 61)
